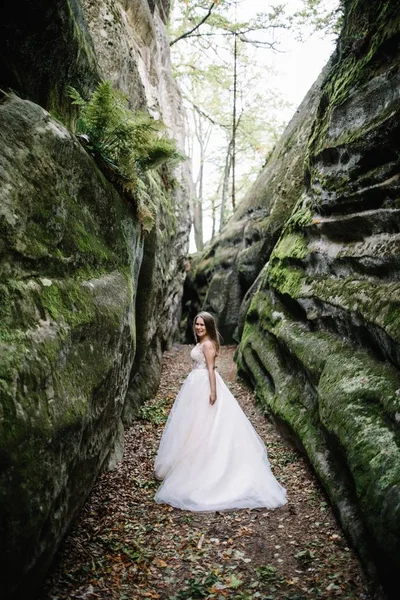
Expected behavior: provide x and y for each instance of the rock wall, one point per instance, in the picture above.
(133, 51)
(309, 266)
(70, 258)
(86, 301)
(321, 342)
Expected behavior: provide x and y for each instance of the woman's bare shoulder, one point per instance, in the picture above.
(208, 345)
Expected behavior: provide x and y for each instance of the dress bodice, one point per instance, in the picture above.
(198, 358)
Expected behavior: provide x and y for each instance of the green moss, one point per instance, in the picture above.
(12, 352)
(300, 218)
(376, 301)
(351, 406)
(205, 268)
(79, 35)
(285, 279)
(83, 66)
(282, 273)
(391, 320)
(37, 249)
(291, 245)
(160, 195)
(357, 395)
(5, 304)
(381, 22)
(91, 246)
(70, 303)
(66, 357)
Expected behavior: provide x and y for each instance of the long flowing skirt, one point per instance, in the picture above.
(210, 457)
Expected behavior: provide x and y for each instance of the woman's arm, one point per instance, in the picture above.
(210, 354)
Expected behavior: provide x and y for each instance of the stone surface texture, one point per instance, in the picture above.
(87, 302)
(321, 341)
(70, 260)
(133, 51)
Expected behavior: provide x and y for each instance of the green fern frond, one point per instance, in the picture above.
(127, 144)
(75, 96)
(161, 152)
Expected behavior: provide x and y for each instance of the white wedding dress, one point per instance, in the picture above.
(210, 457)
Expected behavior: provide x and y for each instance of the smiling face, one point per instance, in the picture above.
(205, 328)
(200, 328)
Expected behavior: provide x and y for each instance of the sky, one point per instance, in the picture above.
(292, 70)
(297, 63)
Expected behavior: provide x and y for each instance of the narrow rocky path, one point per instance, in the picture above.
(126, 547)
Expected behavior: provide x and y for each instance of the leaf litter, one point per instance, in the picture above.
(124, 546)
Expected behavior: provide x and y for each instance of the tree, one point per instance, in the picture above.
(216, 56)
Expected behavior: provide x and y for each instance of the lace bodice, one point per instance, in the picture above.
(198, 358)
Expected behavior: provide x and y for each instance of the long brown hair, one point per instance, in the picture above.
(211, 328)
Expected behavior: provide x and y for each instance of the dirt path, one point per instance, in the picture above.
(126, 547)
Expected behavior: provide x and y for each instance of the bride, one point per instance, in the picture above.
(210, 457)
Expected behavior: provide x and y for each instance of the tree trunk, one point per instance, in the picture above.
(234, 124)
(225, 185)
(203, 137)
(198, 224)
(213, 217)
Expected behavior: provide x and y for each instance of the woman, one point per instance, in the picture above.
(210, 457)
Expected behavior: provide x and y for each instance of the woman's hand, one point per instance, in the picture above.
(213, 398)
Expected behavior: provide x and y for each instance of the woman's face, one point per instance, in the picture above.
(200, 327)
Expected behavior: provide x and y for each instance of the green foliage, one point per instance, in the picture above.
(305, 557)
(268, 574)
(156, 412)
(197, 587)
(125, 144)
(321, 15)
(209, 585)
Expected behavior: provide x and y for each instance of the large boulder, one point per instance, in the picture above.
(87, 301)
(321, 342)
(70, 258)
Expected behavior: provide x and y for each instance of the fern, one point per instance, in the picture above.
(126, 144)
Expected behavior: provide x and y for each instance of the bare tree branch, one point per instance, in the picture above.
(203, 114)
(242, 38)
(259, 43)
(188, 33)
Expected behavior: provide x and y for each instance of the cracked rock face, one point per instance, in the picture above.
(132, 47)
(321, 341)
(133, 51)
(70, 257)
(87, 303)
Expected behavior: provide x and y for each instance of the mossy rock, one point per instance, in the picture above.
(45, 48)
(321, 340)
(70, 258)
